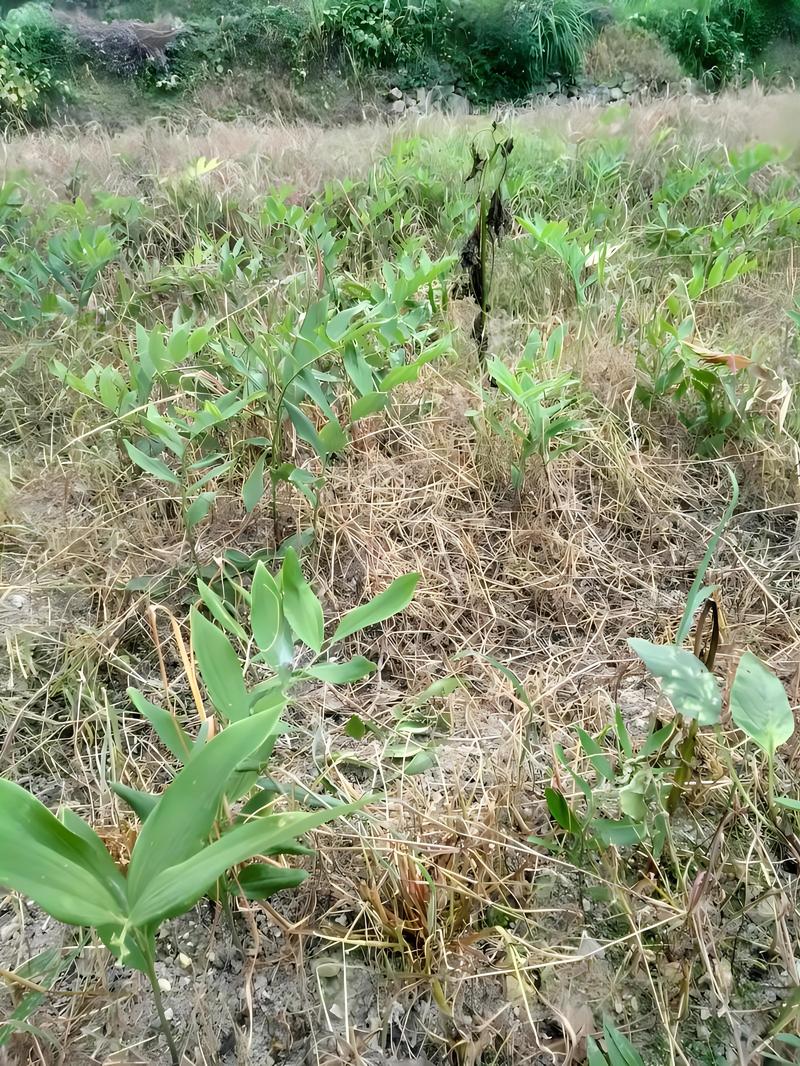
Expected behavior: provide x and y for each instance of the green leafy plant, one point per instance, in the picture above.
(542, 422)
(190, 843)
(619, 1051)
(63, 865)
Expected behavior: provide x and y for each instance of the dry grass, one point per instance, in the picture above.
(257, 157)
(488, 946)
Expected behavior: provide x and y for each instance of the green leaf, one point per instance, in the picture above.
(199, 508)
(220, 668)
(788, 802)
(368, 405)
(387, 603)
(356, 727)
(167, 727)
(265, 608)
(253, 488)
(61, 870)
(305, 428)
(759, 704)
(342, 673)
(598, 760)
(141, 803)
(561, 811)
(179, 886)
(179, 827)
(619, 1049)
(259, 880)
(685, 681)
(596, 1056)
(333, 437)
(151, 465)
(301, 607)
(619, 834)
(219, 611)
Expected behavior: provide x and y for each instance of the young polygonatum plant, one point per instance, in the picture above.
(180, 854)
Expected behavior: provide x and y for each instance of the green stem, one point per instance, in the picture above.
(162, 1017)
(684, 771)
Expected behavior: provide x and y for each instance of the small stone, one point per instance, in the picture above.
(169, 1014)
(551, 88)
(629, 85)
(421, 94)
(184, 961)
(164, 984)
(395, 93)
(336, 1010)
(7, 931)
(616, 93)
(328, 968)
(398, 107)
(457, 105)
(16, 601)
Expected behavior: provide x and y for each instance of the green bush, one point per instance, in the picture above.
(33, 54)
(496, 48)
(718, 39)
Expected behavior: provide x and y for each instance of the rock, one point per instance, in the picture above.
(184, 961)
(630, 85)
(169, 1013)
(551, 88)
(421, 94)
(616, 93)
(395, 93)
(560, 98)
(457, 105)
(397, 107)
(164, 984)
(8, 930)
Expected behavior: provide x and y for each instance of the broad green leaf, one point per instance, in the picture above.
(265, 608)
(759, 704)
(596, 756)
(151, 465)
(631, 797)
(198, 509)
(788, 802)
(596, 1056)
(355, 727)
(387, 603)
(305, 428)
(167, 727)
(561, 811)
(43, 860)
(220, 668)
(333, 437)
(368, 405)
(685, 681)
(141, 803)
(301, 607)
(179, 886)
(218, 610)
(618, 834)
(259, 880)
(181, 823)
(253, 488)
(619, 1049)
(342, 673)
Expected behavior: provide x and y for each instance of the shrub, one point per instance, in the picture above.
(32, 50)
(717, 39)
(506, 48)
(626, 48)
(497, 48)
